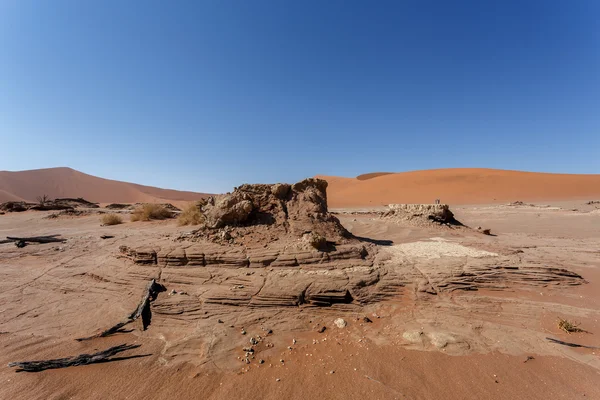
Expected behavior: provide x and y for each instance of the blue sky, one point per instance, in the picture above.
(206, 95)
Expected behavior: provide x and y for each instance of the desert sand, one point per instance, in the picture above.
(459, 186)
(67, 182)
(431, 309)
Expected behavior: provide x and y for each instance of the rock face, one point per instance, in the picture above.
(272, 212)
(439, 213)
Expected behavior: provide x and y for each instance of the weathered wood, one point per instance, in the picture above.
(571, 344)
(82, 359)
(142, 310)
(37, 239)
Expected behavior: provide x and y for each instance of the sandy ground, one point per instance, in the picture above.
(455, 344)
(459, 186)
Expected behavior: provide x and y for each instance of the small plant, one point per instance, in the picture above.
(111, 219)
(42, 200)
(149, 212)
(568, 326)
(191, 215)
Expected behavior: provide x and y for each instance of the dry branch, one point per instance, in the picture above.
(37, 239)
(142, 310)
(571, 344)
(82, 359)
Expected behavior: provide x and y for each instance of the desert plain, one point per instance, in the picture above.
(316, 289)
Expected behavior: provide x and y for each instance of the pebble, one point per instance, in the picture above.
(243, 332)
(261, 361)
(220, 321)
(277, 380)
(332, 372)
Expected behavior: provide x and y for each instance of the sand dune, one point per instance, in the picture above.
(459, 186)
(66, 182)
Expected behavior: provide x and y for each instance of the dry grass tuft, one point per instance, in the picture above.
(191, 215)
(148, 212)
(111, 219)
(568, 326)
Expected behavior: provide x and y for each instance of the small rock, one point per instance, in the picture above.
(367, 319)
(220, 321)
(253, 341)
(293, 341)
(281, 361)
(321, 329)
(332, 372)
(340, 323)
(277, 380)
(173, 292)
(289, 347)
(261, 361)
(243, 332)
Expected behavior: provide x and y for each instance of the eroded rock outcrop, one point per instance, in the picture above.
(438, 213)
(267, 213)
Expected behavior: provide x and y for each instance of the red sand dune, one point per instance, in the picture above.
(66, 182)
(459, 186)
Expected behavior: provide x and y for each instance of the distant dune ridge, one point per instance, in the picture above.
(459, 186)
(67, 182)
(453, 186)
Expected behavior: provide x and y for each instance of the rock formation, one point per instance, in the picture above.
(439, 213)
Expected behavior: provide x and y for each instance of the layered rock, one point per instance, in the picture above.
(269, 213)
(439, 213)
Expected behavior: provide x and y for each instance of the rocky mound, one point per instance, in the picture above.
(420, 214)
(263, 214)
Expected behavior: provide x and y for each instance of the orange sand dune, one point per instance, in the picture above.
(459, 186)
(66, 182)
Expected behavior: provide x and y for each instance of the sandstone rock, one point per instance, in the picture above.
(439, 213)
(340, 323)
(314, 240)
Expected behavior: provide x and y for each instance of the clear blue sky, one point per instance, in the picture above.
(206, 95)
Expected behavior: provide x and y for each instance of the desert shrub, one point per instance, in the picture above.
(568, 326)
(148, 212)
(43, 199)
(191, 215)
(111, 219)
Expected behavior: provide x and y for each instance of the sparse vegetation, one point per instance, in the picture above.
(568, 326)
(149, 212)
(43, 199)
(191, 215)
(111, 219)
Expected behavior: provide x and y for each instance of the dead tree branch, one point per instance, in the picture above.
(82, 359)
(142, 310)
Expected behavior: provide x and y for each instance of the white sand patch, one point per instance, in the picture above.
(437, 248)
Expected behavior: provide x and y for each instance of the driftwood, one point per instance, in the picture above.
(571, 344)
(142, 310)
(37, 239)
(82, 359)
